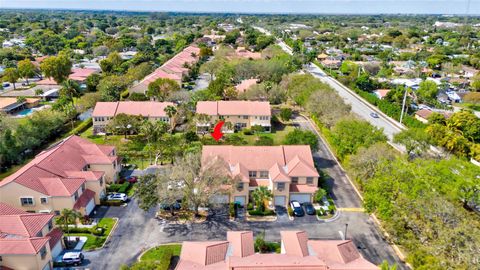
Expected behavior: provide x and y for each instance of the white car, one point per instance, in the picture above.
(72, 258)
(117, 196)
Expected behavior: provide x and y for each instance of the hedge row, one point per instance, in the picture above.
(267, 212)
(81, 127)
(98, 231)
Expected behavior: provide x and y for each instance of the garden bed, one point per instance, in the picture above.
(95, 238)
(162, 255)
(256, 215)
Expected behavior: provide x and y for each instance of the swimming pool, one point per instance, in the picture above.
(25, 112)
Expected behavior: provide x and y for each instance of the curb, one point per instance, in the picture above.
(146, 250)
(395, 248)
(328, 220)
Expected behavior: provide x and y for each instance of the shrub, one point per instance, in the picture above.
(113, 187)
(231, 210)
(290, 211)
(331, 209)
(320, 212)
(319, 194)
(257, 129)
(81, 127)
(247, 131)
(112, 203)
(250, 206)
(264, 140)
(124, 187)
(286, 114)
(257, 212)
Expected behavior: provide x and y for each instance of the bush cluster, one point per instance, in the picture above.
(257, 212)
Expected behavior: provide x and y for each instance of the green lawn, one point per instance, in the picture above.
(278, 135)
(94, 241)
(161, 255)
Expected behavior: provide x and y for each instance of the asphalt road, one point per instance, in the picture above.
(138, 230)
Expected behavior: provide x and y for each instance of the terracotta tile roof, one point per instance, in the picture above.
(55, 235)
(6, 209)
(302, 188)
(26, 225)
(234, 107)
(244, 53)
(278, 174)
(172, 69)
(381, 93)
(340, 254)
(84, 199)
(26, 246)
(245, 85)
(298, 253)
(241, 243)
(259, 183)
(263, 158)
(295, 243)
(424, 113)
(141, 108)
(204, 253)
(47, 172)
(81, 74)
(87, 175)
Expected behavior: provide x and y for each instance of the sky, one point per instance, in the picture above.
(462, 7)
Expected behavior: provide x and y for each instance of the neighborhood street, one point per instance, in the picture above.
(138, 230)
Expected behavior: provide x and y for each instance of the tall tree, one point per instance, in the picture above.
(70, 90)
(26, 69)
(171, 112)
(57, 67)
(11, 75)
(161, 88)
(124, 124)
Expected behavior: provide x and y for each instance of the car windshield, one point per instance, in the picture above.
(296, 204)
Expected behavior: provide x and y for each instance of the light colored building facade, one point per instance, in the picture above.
(297, 253)
(105, 111)
(72, 174)
(241, 114)
(28, 241)
(288, 171)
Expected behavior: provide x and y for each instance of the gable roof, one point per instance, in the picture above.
(234, 107)
(139, 108)
(50, 172)
(282, 161)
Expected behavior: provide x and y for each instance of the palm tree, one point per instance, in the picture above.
(261, 196)
(67, 217)
(70, 89)
(202, 119)
(171, 112)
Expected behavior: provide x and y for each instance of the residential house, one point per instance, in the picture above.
(331, 63)
(297, 252)
(11, 105)
(288, 171)
(28, 240)
(242, 52)
(175, 69)
(105, 111)
(244, 85)
(469, 72)
(241, 114)
(422, 115)
(70, 174)
(381, 93)
(77, 74)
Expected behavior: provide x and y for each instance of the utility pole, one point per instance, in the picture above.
(403, 105)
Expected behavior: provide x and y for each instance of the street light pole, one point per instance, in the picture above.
(346, 227)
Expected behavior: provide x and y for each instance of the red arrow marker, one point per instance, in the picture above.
(217, 131)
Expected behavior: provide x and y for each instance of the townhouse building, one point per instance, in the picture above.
(297, 252)
(241, 114)
(287, 170)
(175, 69)
(28, 241)
(71, 174)
(105, 111)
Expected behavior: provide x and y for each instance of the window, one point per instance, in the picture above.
(75, 196)
(309, 180)
(263, 174)
(280, 186)
(83, 187)
(50, 225)
(57, 213)
(101, 181)
(43, 252)
(43, 200)
(294, 180)
(245, 117)
(252, 174)
(240, 186)
(26, 201)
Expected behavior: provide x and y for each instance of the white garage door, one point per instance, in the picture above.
(220, 199)
(57, 249)
(280, 200)
(240, 199)
(90, 206)
(301, 198)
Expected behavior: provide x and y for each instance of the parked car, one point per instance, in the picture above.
(297, 209)
(132, 179)
(117, 196)
(72, 258)
(325, 204)
(309, 209)
(167, 207)
(374, 115)
(6, 84)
